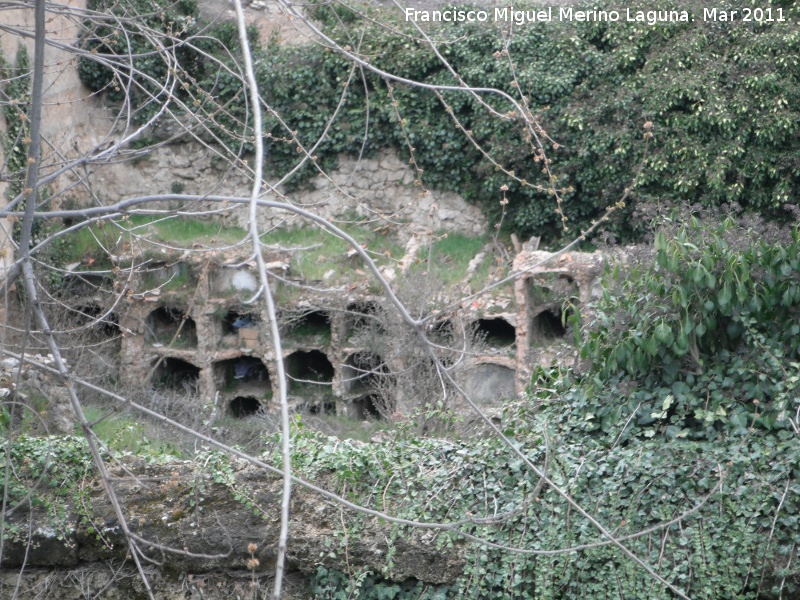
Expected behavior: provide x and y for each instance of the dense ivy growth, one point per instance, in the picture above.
(721, 100)
(127, 61)
(682, 417)
(717, 521)
(15, 95)
(332, 584)
(699, 338)
(143, 31)
(47, 474)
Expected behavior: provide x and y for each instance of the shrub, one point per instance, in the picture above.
(698, 339)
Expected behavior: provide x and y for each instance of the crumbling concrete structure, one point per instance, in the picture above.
(203, 338)
(546, 289)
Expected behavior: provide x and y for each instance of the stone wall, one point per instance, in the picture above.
(379, 189)
(88, 551)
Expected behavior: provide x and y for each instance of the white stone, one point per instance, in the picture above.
(244, 280)
(9, 363)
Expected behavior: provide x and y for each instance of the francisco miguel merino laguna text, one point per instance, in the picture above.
(520, 17)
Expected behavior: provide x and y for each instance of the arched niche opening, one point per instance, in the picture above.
(369, 407)
(97, 320)
(362, 316)
(243, 376)
(495, 332)
(310, 324)
(362, 373)
(548, 325)
(234, 321)
(176, 374)
(242, 407)
(170, 326)
(308, 367)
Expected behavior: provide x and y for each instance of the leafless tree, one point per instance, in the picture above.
(47, 164)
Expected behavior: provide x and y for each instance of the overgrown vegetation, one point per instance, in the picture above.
(124, 434)
(330, 584)
(47, 474)
(92, 245)
(316, 253)
(736, 500)
(449, 257)
(699, 339)
(678, 431)
(15, 95)
(720, 100)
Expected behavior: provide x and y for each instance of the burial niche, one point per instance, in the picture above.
(243, 376)
(244, 406)
(308, 367)
(176, 374)
(495, 332)
(170, 326)
(362, 373)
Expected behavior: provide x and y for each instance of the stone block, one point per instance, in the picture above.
(248, 337)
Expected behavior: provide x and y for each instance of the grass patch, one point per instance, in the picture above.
(178, 230)
(449, 256)
(327, 252)
(94, 243)
(314, 251)
(122, 433)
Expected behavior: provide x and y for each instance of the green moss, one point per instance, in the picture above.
(180, 231)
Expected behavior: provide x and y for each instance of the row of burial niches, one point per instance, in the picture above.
(321, 377)
(349, 379)
(199, 342)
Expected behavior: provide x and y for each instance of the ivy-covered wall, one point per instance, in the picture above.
(719, 98)
(716, 521)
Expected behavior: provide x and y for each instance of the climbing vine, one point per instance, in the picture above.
(46, 474)
(715, 520)
(719, 100)
(698, 339)
(15, 90)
